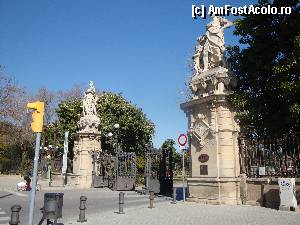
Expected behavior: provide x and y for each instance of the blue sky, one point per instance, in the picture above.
(139, 48)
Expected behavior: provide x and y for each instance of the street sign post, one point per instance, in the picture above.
(182, 140)
(65, 158)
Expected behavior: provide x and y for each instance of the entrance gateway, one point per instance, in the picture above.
(159, 171)
(115, 172)
(212, 128)
(93, 167)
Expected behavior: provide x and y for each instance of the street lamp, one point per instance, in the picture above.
(117, 126)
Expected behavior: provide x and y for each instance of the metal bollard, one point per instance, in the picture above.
(174, 195)
(14, 218)
(121, 203)
(151, 197)
(82, 209)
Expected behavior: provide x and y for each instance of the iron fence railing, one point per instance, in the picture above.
(270, 157)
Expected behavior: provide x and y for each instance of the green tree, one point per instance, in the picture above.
(268, 67)
(135, 129)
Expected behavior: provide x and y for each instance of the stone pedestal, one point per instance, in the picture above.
(84, 146)
(213, 135)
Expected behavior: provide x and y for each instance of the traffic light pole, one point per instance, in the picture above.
(34, 178)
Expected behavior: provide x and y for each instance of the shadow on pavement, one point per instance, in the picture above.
(4, 196)
(48, 222)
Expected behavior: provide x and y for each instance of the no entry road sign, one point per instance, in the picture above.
(182, 140)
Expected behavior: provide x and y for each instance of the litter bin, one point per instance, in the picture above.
(53, 203)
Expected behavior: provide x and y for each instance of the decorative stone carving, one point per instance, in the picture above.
(210, 74)
(209, 51)
(90, 122)
(214, 81)
(200, 129)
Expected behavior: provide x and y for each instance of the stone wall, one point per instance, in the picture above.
(264, 192)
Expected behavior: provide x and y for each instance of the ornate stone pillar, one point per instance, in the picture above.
(86, 140)
(213, 130)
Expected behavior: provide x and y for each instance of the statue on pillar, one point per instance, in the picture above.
(213, 130)
(87, 142)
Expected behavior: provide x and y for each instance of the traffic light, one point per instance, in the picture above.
(37, 115)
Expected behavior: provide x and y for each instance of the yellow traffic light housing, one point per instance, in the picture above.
(37, 115)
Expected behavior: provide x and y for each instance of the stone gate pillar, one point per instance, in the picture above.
(86, 140)
(213, 130)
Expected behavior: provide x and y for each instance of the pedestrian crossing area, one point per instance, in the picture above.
(4, 217)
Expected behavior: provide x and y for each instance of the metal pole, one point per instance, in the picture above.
(121, 203)
(117, 162)
(34, 179)
(174, 195)
(183, 185)
(147, 172)
(65, 158)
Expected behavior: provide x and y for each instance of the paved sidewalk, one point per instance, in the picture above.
(193, 213)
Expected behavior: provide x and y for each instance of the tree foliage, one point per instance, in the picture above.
(268, 67)
(16, 138)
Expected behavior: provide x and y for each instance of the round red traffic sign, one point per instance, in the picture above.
(182, 139)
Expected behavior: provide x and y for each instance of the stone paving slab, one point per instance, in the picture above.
(193, 214)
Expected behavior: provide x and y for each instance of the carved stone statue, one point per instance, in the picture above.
(214, 45)
(209, 51)
(89, 122)
(210, 73)
(90, 100)
(198, 55)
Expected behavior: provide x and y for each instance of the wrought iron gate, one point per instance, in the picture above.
(115, 172)
(125, 170)
(103, 170)
(159, 171)
(152, 170)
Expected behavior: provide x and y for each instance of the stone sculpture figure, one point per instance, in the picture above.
(89, 101)
(214, 45)
(209, 51)
(198, 55)
(89, 121)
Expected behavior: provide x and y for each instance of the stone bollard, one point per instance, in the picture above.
(151, 197)
(121, 203)
(14, 218)
(174, 195)
(82, 209)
